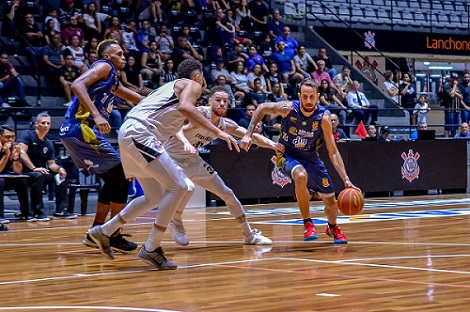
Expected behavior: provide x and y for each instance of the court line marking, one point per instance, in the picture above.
(84, 307)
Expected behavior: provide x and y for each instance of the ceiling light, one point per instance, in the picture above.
(441, 67)
(426, 63)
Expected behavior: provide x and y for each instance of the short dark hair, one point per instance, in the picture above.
(188, 67)
(42, 115)
(6, 127)
(309, 82)
(104, 45)
(217, 89)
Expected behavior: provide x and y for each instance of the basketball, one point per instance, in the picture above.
(350, 201)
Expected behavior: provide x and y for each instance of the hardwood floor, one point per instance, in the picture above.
(404, 254)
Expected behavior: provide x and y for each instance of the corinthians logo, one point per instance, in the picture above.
(278, 176)
(410, 168)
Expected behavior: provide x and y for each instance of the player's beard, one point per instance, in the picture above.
(218, 112)
(307, 109)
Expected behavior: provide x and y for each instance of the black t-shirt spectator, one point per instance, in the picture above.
(69, 75)
(35, 42)
(39, 152)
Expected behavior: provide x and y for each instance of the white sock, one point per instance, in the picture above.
(155, 239)
(111, 226)
(246, 228)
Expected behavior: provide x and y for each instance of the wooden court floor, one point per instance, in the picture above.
(405, 254)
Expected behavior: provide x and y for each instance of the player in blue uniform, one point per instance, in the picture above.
(86, 120)
(304, 127)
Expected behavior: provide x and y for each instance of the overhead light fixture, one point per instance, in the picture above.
(435, 76)
(427, 63)
(420, 75)
(441, 67)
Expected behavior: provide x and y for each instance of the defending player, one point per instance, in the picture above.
(303, 128)
(141, 138)
(82, 132)
(183, 150)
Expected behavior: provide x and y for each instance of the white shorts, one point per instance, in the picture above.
(195, 168)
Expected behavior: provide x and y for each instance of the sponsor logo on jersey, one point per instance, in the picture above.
(325, 182)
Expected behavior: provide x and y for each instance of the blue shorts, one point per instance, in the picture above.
(89, 150)
(318, 178)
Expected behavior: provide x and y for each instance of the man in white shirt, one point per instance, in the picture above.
(360, 105)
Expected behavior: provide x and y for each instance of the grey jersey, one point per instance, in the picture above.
(159, 113)
(197, 136)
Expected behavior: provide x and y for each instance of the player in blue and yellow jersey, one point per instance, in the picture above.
(86, 120)
(304, 127)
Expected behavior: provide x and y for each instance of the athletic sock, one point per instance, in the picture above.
(155, 239)
(308, 220)
(331, 225)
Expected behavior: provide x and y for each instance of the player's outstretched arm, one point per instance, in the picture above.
(188, 92)
(234, 129)
(188, 147)
(128, 94)
(274, 108)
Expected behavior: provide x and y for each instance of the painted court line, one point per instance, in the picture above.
(46, 308)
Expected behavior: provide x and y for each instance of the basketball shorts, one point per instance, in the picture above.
(318, 178)
(195, 167)
(87, 147)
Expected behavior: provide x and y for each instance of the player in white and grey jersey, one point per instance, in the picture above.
(183, 149)
(141, 139)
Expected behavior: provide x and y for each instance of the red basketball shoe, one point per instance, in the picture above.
(309, 232)
(337, 235)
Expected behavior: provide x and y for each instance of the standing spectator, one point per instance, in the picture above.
(362, 109)
(151, 64)
(322, 55)
(390, 87)
(11, 163)
(421, 109)
(166, 44)
(463, 131)
(254, 59)
(168, 73)
(73, 30)
(53, 58)
(465, 91)
(220, 70)
(338, 133)
(285, 63)
(329, 100)
(452, 98)
(408, 96)
(259, 15)
(304, 62)
(290, 44)
(343, 82)
(67, 75)
(34, 41)
(10, 79)
(76, 51)
(320, 74)
(37, 153)
(275, 25)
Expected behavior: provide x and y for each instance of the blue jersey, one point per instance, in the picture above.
(102, 95)
(302, 136)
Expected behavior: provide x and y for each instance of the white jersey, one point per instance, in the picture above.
(197, 136)
(159, 113)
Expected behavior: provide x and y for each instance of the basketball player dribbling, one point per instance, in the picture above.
(141, 138)
(304, 126)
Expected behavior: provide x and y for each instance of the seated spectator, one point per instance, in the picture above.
(414, 134)
(384, 134)
(53, 58)
(242, 16)
(34, 41)
(132, 78)
(224, 31)
(338, 133)
(275, 25)
(240, 83)
(49, 31)
(52, 15)
(184, 51)
(258, 96)
(371, 131)
(91, 47)
(237, 55)
(256, 74)
(220, 70)
(92, 22)
(13, 13)
(285, 63)
(166, 44)
(362, 109)
(421, 109)
(73, 30)
(249, 112)
(255, 59)
(10, 79)
(222, 81)
(168, 73)
(322, 55)
(265, 48)
(37, 153)
(237, 39)
(329, 100)
(151, 64)
(143, 37)
(150, 10)
(76, 51)
(407, 90)
(304, 62)
(259, 15)
(277, 93)
(11, 163)
(65, 15)
(321, 74)
(272, 77)
(290, 44)
(390, 87)
(463, 131)
(343, 82)
(129, 35)
(67, 75)
(115, 28)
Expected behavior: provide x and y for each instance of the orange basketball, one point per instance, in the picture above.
(350, 201)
